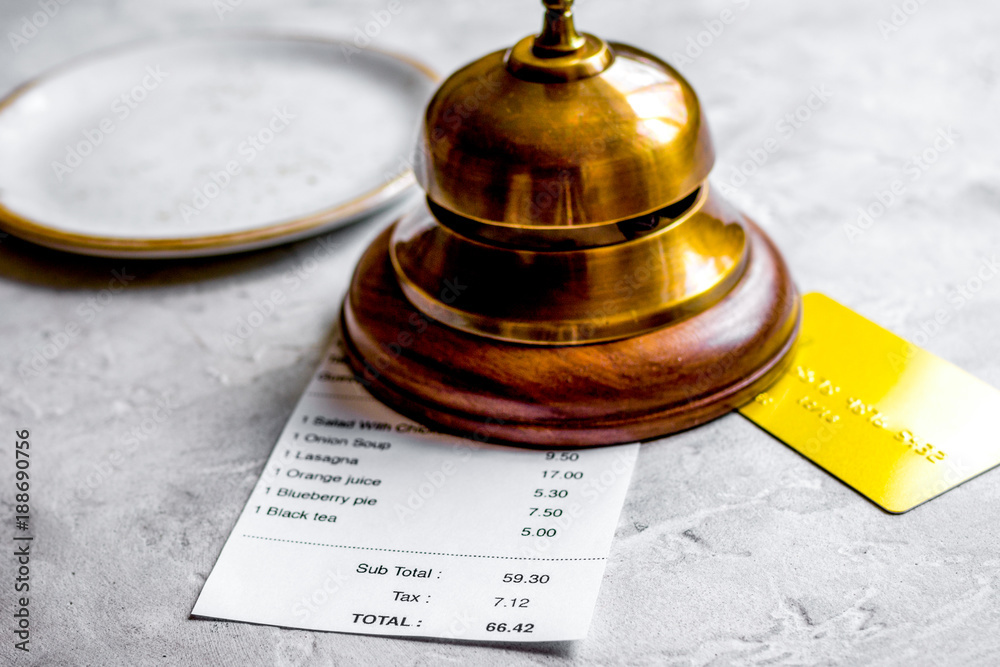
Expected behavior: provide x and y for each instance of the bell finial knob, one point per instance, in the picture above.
(559, 36)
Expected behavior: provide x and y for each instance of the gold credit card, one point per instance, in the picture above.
(889, 419)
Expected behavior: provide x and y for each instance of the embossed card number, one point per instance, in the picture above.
(889, 419)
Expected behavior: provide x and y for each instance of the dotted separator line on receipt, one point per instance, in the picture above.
(405, 551)
(321, 394)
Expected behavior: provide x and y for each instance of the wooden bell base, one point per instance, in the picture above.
(633, 389)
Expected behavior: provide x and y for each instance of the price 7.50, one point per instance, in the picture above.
(547, 512)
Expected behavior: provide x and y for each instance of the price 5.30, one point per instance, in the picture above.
(551, 493)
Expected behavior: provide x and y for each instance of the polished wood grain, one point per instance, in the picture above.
(638, 388)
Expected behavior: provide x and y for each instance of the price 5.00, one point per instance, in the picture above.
(538, 532)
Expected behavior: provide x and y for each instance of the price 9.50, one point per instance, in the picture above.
(562, 456)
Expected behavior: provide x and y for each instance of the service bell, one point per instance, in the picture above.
(572, 279)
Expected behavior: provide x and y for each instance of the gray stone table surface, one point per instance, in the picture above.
(731, 548)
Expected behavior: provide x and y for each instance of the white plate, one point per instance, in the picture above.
(208, 145)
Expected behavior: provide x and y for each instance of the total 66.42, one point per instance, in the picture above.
(504, 627)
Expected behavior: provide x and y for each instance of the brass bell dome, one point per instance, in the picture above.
(563, 130)
(571, 278)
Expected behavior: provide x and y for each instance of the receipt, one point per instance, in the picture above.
(366, 522)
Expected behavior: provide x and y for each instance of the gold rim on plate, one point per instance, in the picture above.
(371, 202)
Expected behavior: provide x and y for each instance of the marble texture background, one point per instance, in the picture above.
(731, 548)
